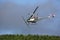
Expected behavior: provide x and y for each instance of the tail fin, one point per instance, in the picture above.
(51, 16)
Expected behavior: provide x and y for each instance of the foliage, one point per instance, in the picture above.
(28, 37)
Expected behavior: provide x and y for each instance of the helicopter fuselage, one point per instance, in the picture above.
(32, 20)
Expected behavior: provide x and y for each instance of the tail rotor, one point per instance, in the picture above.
(51, 16)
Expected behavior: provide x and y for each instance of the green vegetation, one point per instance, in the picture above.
(28, 37)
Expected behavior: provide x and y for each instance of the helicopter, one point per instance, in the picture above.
(33, 19)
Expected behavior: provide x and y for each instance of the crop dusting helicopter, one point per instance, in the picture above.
(33, 19)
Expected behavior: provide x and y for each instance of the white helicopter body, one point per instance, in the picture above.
(34, 19)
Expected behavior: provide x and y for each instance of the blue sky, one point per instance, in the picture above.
(12, 10)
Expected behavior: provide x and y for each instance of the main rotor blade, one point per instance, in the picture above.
(34, 12)
(35, 9)
(24, 20)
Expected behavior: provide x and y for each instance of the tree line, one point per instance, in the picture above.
(28, 37)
